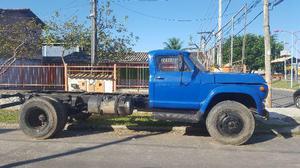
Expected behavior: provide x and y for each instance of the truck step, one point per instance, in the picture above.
(186, 117)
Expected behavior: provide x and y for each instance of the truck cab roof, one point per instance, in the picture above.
(168, 52)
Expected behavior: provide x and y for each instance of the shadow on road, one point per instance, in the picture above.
(76, 151)
(4, 130)
(278, 124)
(78, 130)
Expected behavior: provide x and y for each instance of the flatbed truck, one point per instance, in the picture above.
(180, 89)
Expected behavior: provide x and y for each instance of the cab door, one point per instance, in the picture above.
(174, 87)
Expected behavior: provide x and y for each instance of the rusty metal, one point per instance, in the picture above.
(54, 77)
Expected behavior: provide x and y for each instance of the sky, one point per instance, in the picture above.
(155, 21)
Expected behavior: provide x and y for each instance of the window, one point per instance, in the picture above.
(171, 64)
(197, 62)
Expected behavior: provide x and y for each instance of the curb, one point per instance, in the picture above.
(181, 130)
(119, 128)
(283, 89)
(9, 126)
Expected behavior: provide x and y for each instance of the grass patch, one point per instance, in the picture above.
(9, 116)
(285, 84)
(136, 119)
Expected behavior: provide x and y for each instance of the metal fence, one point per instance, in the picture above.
(54, 77)
(28, 77)
(133, 75)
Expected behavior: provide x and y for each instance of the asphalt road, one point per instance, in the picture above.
(144, 150)
(282, 99)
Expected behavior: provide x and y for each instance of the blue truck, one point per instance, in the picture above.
(180, 89)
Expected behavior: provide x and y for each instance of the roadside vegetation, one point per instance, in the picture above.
(137, 119)
(9, 116)
(283, 84)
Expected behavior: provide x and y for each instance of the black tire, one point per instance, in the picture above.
(230, 122)
(297, 101)
(61, 110)
(40, 118)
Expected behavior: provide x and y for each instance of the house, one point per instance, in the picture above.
(12, 16)
(12, 23)
(73, 56)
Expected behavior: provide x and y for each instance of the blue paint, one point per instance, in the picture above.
(194, 89)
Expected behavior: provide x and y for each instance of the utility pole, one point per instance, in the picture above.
(292, 59)
(231, 42)
(267, 52)
(219, 53)
(202, 46)
(296, 72)
(94, 31)
(244, 39)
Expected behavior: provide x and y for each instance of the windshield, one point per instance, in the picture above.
(196, 60)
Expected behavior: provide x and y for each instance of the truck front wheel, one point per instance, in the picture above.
(230, 122)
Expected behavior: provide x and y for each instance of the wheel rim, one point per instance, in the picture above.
(230, 124)
(37, 118)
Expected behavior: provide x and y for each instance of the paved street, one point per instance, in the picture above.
(94, 149)
(108, 149)
(282, 99)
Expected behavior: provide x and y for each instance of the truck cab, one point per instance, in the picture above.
(226, 101)
(179, 81)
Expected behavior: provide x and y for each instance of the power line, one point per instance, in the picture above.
(252, 20)
(163, 18)
(213, 6)
(253, 5)
(226, 8)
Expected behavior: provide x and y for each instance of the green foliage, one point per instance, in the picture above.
(136, 119)
(9, 116)
(114, 40)
(254, 55)
(285, 84)
(20, 39)
(70, 33)
(173, 44)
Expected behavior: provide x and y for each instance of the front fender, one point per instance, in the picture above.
(234, 89)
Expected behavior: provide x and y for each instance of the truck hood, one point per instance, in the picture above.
(238, 78)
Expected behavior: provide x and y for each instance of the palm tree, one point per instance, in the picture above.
(173, 44)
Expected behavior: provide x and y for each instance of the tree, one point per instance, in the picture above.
(254, 54)
(20, 39)
(69, 33)
(173, 44)
(114, 40)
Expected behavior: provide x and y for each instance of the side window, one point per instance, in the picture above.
(171, 64)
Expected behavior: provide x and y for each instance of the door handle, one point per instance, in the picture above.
(159, 78)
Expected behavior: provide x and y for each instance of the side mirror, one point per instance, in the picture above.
(181, 63)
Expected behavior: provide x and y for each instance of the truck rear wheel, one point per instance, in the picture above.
(61, 110)
(42, 117)
(230, 122)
